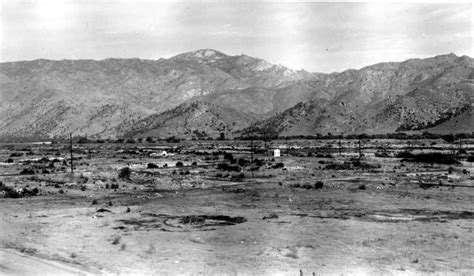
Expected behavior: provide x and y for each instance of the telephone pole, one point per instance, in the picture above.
(251, 150)
(360, 149)
(340, 145)
(70, 150)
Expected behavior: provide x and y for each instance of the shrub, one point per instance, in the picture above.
(338, 166)
(278, 165)
(362, 187)
(307, 186)
(405, 154)
(470, 158)
(229, 156)
(173, 139)
(238, 177)
(152, 166)
(318, 185)
(179, 164)
(243, 162)
(27, 171)
(434, 157)
(9, 191)
(228, 167)
(116, 240)
(124, 173)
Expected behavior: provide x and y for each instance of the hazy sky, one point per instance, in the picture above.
(319, 37)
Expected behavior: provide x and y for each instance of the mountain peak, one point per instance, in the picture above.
(201, 54)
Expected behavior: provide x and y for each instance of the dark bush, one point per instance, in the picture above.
(238, 177)
(362, 187)
(318, 185)
(364, 165)
(307, 186)
(9, 160)
(32, 192)
(9, 192)
(228, 167)
(434, 157)
(124, 173)
(338, 166)
(173, 139)
(27, 171)
(229, 156)
(179, 164)
(405, 154)
(243, 162)
(278, 165)
(470, 158)
(152, 166)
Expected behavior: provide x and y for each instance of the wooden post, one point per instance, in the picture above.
(70, 150)
(340, 145)
(251, 150)
(360, 150)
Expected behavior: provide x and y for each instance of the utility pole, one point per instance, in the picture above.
(70, 150)
(265, 143)
(460, 145)
(340, 145)
(360, 149)
(251, 149)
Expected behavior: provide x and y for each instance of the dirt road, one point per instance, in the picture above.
(20, 264)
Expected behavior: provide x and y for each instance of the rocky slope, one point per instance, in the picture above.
(387, 97)
(208, 92)
(87, 97)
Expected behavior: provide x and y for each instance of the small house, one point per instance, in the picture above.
(276, 153)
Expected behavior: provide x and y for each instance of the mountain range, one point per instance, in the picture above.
(205, 93)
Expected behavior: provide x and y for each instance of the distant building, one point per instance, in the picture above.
(42, 143)
(276, 153)
(162, 153)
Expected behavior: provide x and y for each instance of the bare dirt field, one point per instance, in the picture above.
(213, 207)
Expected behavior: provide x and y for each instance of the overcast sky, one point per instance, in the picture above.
(318, 37)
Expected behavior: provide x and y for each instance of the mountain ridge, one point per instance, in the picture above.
(108, 98)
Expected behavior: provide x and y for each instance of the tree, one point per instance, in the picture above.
(124, 173)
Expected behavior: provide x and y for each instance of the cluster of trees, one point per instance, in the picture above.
(397, 135)
(172, 139)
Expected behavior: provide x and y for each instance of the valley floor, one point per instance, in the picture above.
(360, 222)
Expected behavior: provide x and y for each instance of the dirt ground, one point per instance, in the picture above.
(388, 218)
